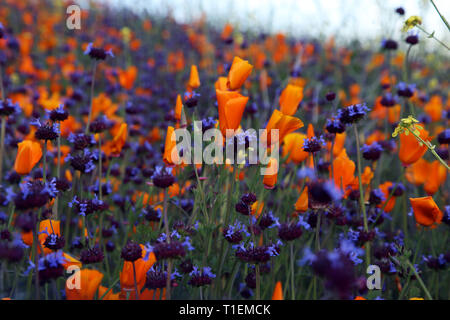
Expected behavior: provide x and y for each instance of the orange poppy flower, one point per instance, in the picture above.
(47, 227)
(28, 156)
(109, 296)
(302, 202)
(239, 72)
(127, 77)
(434, 108)
(141, 266)
(178, 108)
(284, 123)
(426, 211)
(270, 179)
(343, 170)
(290, 99)
(221, 84)
(293, 146)
(115, 146)
(256, 208)
(89, 282)
(410, 149)
(384, 187)
(170, 156)
(417, 172)
(435, 177)
(278, 292)
(231, 106)
(194, 80)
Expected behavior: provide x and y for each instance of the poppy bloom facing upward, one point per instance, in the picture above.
(426, 211)
(290, 99)
(231, 108)
(239, 72)
(28, 156)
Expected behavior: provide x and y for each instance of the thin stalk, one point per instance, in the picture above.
(258, 283)
(361, 193)
(442, 17)
(94, 68)
(135, 282)
(427, 293)
(292, 270)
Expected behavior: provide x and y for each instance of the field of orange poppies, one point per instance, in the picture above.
(100, 201)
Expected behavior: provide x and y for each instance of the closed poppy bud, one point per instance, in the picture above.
(426, 211)
(302, 202)
(178, 108)
(194, 80)
(290, 99)
(412, 150)
(278, 292)
(293, 146)
(239, 72)
(231, 106)
(28, 156)
(170, 156)
(270, 178)
(89, 281)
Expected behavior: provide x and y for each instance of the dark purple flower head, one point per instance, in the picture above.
(8, 108)
(163, 177)
(58, 114)
(353, 113)
(412, 38)
(444, 137)
(201, 278)
(92, 255)
(334, 126)
(132, 251)
(406, 90)
(389, 44)
(313, 144)
(400, 11)
(45, 131)
(97, 53)
(372, 152)
(388, 100)
(289, 231)
(81, 141)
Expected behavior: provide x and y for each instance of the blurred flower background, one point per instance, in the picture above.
(346, 20)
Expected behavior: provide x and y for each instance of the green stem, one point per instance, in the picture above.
(91, 97)
(442, 17)
(427, 293)
(361, 193)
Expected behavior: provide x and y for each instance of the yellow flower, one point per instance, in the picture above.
(411, 22)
